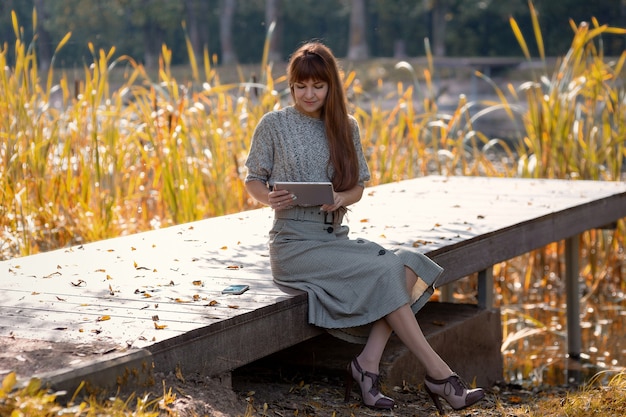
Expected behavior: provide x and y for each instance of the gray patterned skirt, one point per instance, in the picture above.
(350, 283)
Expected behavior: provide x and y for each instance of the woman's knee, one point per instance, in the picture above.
(411, 278)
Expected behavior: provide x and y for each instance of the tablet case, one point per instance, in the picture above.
(309, 193)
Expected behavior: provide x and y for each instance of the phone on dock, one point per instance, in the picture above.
(235, 289)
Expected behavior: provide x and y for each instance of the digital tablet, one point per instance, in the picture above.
(309, 193)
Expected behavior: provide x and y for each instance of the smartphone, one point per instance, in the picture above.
(235, 289)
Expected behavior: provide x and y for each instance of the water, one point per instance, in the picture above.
(530, 293)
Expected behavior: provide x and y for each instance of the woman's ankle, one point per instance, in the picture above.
(368, 365)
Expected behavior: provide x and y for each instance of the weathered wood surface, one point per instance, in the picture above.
(160, 290)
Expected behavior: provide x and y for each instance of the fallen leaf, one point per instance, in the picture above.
(235, 307)
(61, 299)
(232, 267)
(101, 270)
(147, 295)
(54, 273)
(197, 283)
(224, 247)
(103, 318)
(132, 248)
(160, 326)
(109, 276)
(111, 292)
(212, 303)
(365, 220)
(196, 297)
(60, 328)
(79, 283)
(179, 374)
(155, 318)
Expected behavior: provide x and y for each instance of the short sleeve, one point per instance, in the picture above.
(260, 160)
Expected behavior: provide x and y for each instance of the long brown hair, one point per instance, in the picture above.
(315, 61)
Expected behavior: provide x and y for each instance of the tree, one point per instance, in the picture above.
(227, 14)
(357, 44)
(198, 34)
(273, 15)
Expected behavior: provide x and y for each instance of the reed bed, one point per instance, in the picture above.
(115, 150)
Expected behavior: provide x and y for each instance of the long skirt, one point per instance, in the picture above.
(350, 283)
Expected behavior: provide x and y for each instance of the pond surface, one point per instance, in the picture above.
(530, 292)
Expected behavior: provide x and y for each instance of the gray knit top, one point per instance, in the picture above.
(288, 145)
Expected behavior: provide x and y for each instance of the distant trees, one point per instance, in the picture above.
(235, 31)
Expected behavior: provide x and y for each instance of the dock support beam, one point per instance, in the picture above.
(572, 285)
(485, 288)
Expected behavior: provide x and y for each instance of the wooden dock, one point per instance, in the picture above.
(154, 299)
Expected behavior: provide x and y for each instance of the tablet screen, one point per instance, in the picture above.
(309, 193)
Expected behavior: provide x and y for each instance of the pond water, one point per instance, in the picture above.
(540, 355)
(530, 293)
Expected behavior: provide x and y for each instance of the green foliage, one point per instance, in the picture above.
(138, 28)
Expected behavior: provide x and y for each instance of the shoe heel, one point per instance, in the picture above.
(349, 380)
(435, 398)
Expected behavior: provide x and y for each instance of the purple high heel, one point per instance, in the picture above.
(370, 391)
(454, 390)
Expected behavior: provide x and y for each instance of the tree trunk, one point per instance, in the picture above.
(438, 24)
(227, 13)
(357, 48)
(44, 42)
(193, 28)
(272, 14)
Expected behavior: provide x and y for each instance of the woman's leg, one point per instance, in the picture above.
(403, 322)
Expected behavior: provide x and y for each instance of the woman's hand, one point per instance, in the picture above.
(278, 200)
(344, 198)
(281, 199)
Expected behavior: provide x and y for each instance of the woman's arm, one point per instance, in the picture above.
(345, 198)
(279, 199)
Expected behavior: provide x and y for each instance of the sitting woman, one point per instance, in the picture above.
(352, 284)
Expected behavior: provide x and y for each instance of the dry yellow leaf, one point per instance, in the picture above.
(103, 318)
(160, 326)
(197, 283)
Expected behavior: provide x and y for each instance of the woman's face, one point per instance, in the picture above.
(310, 97)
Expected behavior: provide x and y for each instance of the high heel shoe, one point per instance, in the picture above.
(454, 390)
(370, 391)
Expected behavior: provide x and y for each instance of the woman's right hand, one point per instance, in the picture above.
(281, 199)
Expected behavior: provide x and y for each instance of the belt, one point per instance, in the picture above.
(309, 214)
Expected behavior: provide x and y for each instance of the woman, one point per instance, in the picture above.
(352, 284)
